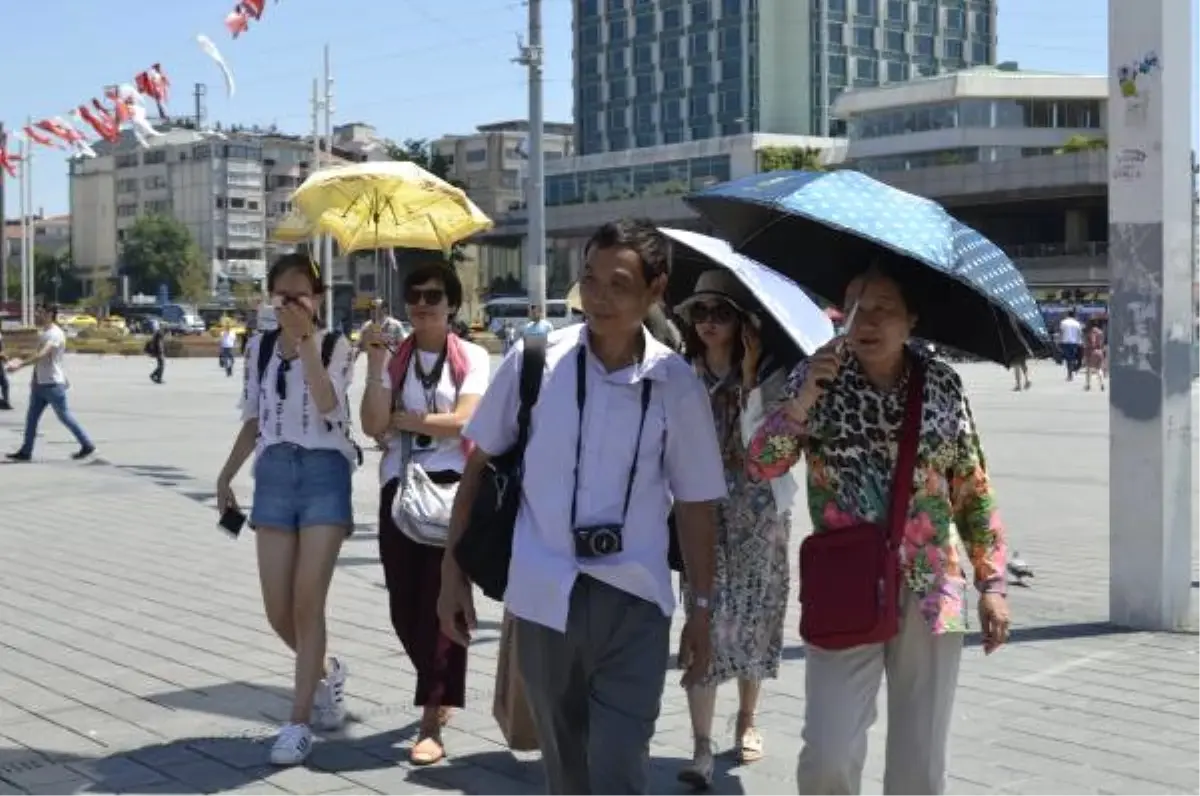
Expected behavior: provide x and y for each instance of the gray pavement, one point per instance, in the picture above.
(134, 656)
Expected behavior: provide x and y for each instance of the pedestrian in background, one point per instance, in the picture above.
(1070, 340)
(154, 347)
(49, 387)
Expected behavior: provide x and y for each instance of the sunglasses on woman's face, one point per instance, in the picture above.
(713, 313)
(430, 296)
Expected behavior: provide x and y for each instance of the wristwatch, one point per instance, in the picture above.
(701, 601)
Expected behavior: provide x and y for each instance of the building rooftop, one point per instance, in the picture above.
(982, 82)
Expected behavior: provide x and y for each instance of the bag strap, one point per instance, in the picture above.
(266, 347)
(533, 364)
(906, 454)
(328, 343)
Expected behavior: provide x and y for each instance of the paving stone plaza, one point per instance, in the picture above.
(135, 657)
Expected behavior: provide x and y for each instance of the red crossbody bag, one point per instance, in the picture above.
(850, 577)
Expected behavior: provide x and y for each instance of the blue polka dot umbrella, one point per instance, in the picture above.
(821, 229)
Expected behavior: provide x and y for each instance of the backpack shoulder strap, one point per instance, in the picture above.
(266, 347)
(533, 365)
(328, 343)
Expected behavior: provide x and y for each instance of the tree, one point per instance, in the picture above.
(789, 158)
(53, 279)
(1082, 143)
(246, 294)
(159, 250)
(418, 150)
(102, 295)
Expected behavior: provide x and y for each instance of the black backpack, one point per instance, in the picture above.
(484, 550)
(266, 347)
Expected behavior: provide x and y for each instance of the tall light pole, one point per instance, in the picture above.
(1152, 504)
(531, 56)
(823, 38)
(3, 221)
(22, 149)
(327, 255)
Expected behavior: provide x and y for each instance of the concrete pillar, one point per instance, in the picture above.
(1075, 233)
(1152, 508)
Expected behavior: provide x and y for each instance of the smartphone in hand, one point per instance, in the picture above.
(232, 521)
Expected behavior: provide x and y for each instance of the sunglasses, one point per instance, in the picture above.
(430, 296)
(712, 313)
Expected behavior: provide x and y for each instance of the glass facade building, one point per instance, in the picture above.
(654, 72)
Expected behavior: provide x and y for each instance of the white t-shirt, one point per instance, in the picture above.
(228, 338)
(49, 369)
(1070, 332)
(447, 452)
(296, 418)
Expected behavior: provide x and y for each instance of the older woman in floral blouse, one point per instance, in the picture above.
(843, 413)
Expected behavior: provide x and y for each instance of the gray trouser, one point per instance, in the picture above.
(841, 688)
(595, 690)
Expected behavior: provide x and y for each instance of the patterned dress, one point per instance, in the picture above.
(750, 590)
(850, 440)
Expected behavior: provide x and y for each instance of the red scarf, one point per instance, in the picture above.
(456, 358)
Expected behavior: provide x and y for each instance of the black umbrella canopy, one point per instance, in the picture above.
(823, 229)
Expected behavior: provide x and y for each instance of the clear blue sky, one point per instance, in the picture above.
(413, 68)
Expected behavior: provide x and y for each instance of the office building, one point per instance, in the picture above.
(652, 72)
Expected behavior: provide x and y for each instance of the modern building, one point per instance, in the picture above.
(584, 191)
(491, 162)
(230, 188)
(656, 72)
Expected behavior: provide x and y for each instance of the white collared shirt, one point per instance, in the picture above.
(679, 456)
(296, 418)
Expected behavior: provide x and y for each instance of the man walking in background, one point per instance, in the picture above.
(538, 326)
(49, 386)
(1070, 340)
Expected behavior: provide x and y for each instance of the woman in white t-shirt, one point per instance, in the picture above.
(426, 392)
(296, 420)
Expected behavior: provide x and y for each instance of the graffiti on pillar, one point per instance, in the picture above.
(1138, 80)
(1135, 319)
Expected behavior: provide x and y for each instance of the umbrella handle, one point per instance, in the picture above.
(825, 384)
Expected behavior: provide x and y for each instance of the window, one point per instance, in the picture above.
(644, 25)
(589, 65)
(616, 5)
(897, 11)
(251, 204)
(126, 211)
(670, 50)
(643, 56)
(155, 156)
(731, 69)
(127, 186)
(237, 203)
(154, 182)
(896, 71)
(126, 161)
(895, 42)
(158, 207)
(837, 65)
(645, 85)
(476, 155)
(698, 105)
(731, 8)
(955, 19)
(926, 15)
(865, 8)
(701, 75)
(729, 41)
(864, 37)
(701, 12)
(616, 60)
(590, 93)
(953, 48)
(673, 80)
(643, 116)
(618, 89)
(618, 30)
(979, 53)
(698, 44)
(616, 119)
(672, 19)
(925, 45)
(836, 33)
(671, 111)
(866, 69)
(730, 103)
(983, 23)
(589, 35)
(589, 8)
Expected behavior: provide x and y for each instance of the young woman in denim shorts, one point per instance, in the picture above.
(296, 421)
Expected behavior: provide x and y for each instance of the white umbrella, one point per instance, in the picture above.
(786, 302)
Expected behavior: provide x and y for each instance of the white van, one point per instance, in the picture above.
(514, 311)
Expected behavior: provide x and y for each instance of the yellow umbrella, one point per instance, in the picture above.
(386, 205)
(573, 300)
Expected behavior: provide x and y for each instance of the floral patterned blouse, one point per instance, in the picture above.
(850, 439)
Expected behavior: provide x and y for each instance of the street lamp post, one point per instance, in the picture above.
(1152, 504)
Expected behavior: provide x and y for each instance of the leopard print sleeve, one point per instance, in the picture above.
(973, 500)
(778, 443)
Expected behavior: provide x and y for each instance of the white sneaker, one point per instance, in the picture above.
(292, 746)
(329, 705)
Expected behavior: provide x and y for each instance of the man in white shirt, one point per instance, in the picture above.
(1070, 340)
(49, 386)
(537, 325)
(589, 584)
(229, 341)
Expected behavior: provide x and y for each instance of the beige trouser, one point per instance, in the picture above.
(841, 688)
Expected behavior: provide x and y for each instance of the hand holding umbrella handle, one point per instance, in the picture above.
(839, 344)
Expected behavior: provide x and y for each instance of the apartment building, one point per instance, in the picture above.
(230, 188)
(654, 72)
(491, 162)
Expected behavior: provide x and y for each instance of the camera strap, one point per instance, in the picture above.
(580, 399)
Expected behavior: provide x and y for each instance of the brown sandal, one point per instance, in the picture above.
(427, 751)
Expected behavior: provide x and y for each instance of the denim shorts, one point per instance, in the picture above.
(298, 488)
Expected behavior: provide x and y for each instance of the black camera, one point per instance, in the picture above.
(598, 541)
(422, 442)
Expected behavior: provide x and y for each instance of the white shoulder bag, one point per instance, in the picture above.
(421, 508)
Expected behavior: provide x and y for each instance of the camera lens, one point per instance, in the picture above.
(604, 543)
(423, 441)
